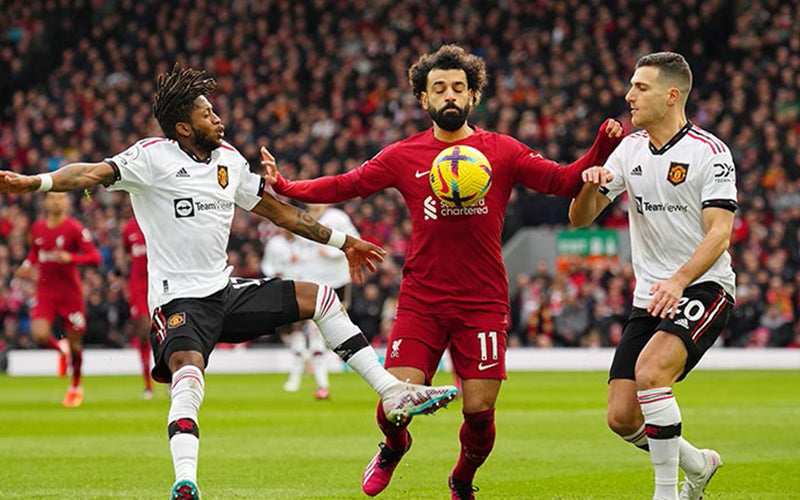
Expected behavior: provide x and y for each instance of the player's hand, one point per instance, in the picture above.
(62, 257)
(613, 128)
(25, 272)
(361, 253)
(597, 176)
(666, 295)
(12, 182)
(269, 163)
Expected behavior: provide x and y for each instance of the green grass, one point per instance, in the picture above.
(258, 442)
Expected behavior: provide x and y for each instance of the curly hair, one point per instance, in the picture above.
(175, 93)
(449, 57)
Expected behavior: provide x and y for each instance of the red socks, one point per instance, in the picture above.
(477, 440)
(77, 361)
(144, 353)
(396, 435)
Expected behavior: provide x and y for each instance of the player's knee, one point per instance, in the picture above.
(620, 422)
(179, 359)
(306, 296)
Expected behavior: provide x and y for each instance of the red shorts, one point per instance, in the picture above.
(138, 303)
(72, 311)
(477, 343)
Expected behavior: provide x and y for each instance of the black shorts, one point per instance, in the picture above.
(244, 310)
(702, 314)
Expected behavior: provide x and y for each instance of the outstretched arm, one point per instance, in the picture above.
(547, 176)
(585, 208)
(68, 178)
(358, 252)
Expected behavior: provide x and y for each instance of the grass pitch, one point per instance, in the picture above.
(258, 442)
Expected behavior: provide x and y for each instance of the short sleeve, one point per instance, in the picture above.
(719, 182)
(132, 170)
(615, 165)
(249, 188)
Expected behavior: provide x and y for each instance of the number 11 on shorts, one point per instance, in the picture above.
(482, 339)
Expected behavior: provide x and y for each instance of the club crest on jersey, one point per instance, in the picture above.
(222, 176)
(677, 172)
(176, 320)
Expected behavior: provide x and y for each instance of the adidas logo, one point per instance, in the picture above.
(182, 173)
(682, 322)
(637, 170)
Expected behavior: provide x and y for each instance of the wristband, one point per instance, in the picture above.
(46, 182)
(337, 239)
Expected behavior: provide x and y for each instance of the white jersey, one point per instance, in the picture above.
(324, 264)
(284, 257)
(185, 207)
(667, 192)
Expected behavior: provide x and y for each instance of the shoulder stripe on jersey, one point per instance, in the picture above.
(721, 203)
(697, 137)
(227, 147)
(154, 141)
(707, 135)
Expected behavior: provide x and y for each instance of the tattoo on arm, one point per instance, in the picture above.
(309, 227)
(82, 175)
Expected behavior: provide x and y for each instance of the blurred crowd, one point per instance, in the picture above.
(323, 85)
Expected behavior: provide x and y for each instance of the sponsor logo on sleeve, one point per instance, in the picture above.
(723, 172)
(677, 172)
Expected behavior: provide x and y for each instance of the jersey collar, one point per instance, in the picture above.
(194, 157)
(675, 138)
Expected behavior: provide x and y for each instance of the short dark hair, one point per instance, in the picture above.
(448, 57)
(672, 66)
(173, 101)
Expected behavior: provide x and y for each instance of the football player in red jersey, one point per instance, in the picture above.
(452, 295)
(135, 249)
(59, 244)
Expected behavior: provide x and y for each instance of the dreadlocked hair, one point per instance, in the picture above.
(175, 93)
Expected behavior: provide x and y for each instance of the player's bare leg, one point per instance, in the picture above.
(141, 328)
(625, 418)
(188, 387)
(74, 396)
(42, 332)
(660, 364)
(378, 473)
(477, 434)
(321, 304)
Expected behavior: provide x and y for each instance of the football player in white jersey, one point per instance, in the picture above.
(183, 190)
(681, 190)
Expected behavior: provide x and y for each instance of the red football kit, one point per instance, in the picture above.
(454, 290)
(133, 242)
(58, 291)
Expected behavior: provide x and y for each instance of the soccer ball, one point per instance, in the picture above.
(460, 176)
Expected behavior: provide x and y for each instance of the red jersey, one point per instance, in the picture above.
(57, 279)
(133, 242)
(455, 262)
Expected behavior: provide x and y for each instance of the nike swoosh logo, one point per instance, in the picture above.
(482, 367)
(419, 174)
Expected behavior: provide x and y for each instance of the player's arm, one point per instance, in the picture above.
(358, 252)
(87, 254)
(549, 177)
(363, 181)
(68, 178)
(27, 270)
(719, 226)
(585, 208)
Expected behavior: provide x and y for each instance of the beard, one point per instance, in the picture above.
(449, 120)
(204, 141)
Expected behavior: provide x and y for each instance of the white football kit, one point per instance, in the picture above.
(185, 207)
(667, 192)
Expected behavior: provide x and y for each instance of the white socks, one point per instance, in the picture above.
(691, 459)
(638, 438)
(184, 438)
(662, 419)
(346, 340)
